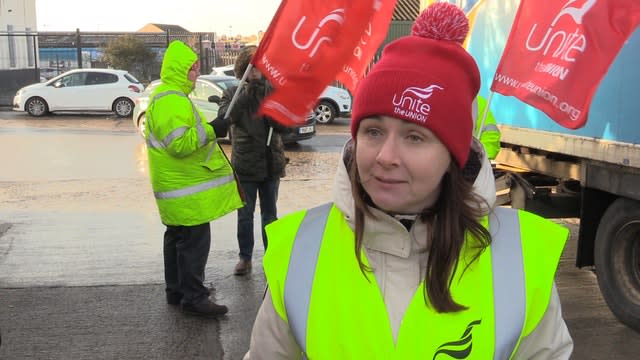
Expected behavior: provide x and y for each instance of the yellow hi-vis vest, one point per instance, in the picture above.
(334, 312)
(489, 134)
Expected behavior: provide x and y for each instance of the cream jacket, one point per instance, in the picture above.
(399, 258)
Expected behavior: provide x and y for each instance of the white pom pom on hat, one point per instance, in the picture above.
(442, 21)
(427, 78)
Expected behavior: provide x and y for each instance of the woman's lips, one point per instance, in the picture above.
(388, 180)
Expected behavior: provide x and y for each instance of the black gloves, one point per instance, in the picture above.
(220, 126)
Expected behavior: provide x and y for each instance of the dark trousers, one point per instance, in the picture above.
(267, 190)
(186, 250)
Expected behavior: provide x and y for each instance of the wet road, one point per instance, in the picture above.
(81, 265)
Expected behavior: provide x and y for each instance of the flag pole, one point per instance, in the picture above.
(484, 115)
(235, 94)
(235, 98)
(269, 136)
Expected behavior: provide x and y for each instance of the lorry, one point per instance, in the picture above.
(592, 173)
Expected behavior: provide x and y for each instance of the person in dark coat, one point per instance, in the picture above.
(257, 154)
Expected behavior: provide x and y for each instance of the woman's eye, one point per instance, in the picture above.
(373, 132)
(415, 138)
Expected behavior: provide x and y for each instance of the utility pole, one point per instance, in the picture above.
(78, 48)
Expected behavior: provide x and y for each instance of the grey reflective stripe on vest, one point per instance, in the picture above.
(302, 268)
(190, 190)
(508, 276)
(490, 127)
(153, 143)
(202, 133)
(508, 280)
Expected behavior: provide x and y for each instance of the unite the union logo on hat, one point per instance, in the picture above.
(412, 105)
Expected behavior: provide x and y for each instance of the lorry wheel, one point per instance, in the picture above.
(617, 260)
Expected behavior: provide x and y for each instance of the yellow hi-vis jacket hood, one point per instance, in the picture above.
(176, 64)
(192, 180)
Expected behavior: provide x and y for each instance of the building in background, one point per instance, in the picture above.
(163, 28)
(18, 46)
(404, 14)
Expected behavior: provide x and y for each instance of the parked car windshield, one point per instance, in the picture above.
(224, 84)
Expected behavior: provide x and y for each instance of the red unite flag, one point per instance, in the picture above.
(311, 43)
(558, 53)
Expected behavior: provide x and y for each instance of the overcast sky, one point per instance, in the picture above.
(244, 17)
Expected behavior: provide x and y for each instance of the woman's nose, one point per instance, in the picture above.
(388, 152)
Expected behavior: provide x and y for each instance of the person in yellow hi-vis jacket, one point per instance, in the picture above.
(409, 261)
(490, 135)
(192, 180)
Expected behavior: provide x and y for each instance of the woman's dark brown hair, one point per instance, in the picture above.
(456, 212)
(243, 60)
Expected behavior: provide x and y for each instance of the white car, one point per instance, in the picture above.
(333, 102)
(85, 90)
(226, 70)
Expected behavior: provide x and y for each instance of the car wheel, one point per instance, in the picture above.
(123, 107)
(36, 106)
(325, 112)
(142, 119)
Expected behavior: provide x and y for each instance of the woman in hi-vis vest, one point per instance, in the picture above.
(411, 260)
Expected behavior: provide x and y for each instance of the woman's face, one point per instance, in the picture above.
(254, 74)
(401, 164)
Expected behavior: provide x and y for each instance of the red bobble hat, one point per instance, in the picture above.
(427, 78)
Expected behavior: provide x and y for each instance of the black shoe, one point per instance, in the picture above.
(207, 309)
(174, 298)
